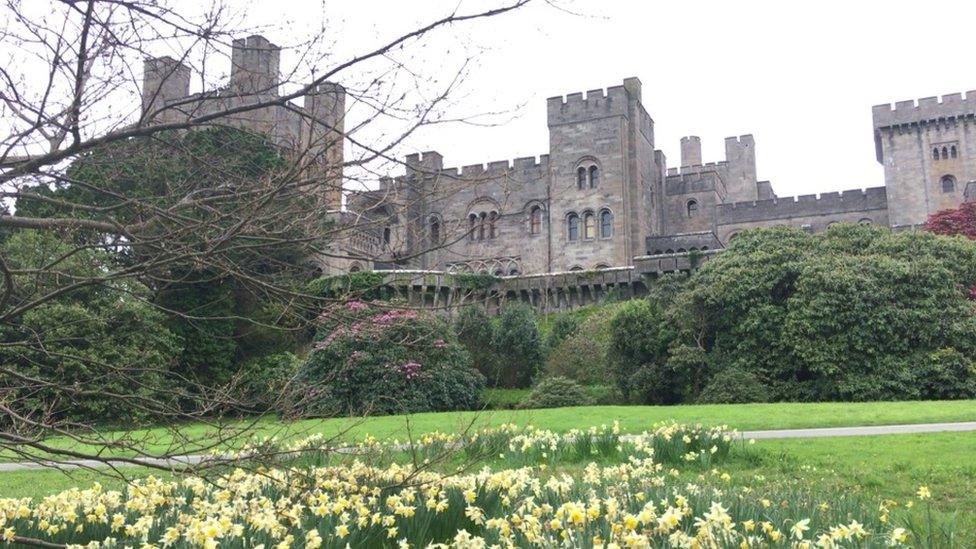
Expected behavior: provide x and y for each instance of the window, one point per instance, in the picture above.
(472, 222)
(669, 251)
(576, 268)
(535, 220)
(481, 226)
(581, 178)
(602, 266)
(692, 208)
(594, 176)
(948, 184)
(952, 151)
(945, 153)
(513, 272)
(435, 230)
(387, 234)
(573, 222)
(606, 224)
(589, 226)
(935, 153)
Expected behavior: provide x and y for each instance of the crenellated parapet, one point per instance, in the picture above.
(953, 105)
(856, 200)
(577, 107)
(431, 164)
(696, 169)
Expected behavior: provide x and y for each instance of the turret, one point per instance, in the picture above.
(740, 177)
(325, 108)
(254, 66)
(691, 152)
(164, 79)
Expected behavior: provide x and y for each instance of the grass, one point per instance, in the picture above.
(631, 418)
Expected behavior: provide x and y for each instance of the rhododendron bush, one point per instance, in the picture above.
(374, 359)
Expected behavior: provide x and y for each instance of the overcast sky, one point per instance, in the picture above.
(800, 76)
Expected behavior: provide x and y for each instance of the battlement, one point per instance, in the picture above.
(696, 169)
(255, 65)
(952, 105)
(598, 103)
(874, 198)
(431, 163)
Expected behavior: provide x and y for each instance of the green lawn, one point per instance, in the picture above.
(631, 418)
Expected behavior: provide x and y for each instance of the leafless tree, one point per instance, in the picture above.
(95, 86)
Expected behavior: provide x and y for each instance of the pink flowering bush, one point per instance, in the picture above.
(373, 359)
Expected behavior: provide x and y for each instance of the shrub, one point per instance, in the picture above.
(733, 386)
(637, 352)
(474, 330)
(582, 356)
(378, 360)
(842, 315)
(267, 382)
(554, 392)
(562, 327)
(948, 374)
(517, 346)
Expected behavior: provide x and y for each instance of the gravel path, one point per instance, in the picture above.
(775, 433)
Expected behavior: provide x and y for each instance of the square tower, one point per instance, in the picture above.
(928, 150)
(601, 149)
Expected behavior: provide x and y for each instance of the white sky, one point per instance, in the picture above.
(800, 76)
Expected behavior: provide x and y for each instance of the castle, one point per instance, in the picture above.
(603, 197)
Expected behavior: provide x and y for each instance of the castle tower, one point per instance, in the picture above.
(601, 160)
(691, 152)
(740, 169)
(164, 79)
(928, 150)
(254, 66)
(325, 108)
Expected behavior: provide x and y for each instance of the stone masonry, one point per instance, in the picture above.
(602, 197)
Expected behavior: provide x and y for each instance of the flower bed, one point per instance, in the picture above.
(638, 501)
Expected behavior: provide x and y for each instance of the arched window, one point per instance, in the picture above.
(669, 251)
(692, 208)
(594, 176)
(472, 225)
(935, 153)
(948, 184)
(952, 151)
(573, 226)
(681, 250)
(535, 220)
(513, 272)
(435, 230)
(355, 268)
(606, 224)
(704, 248)
(492, 232)
(387, 235)
(576, 268)
(589, 226)
(581, 178)
(498, 272)
(601, 266)
(481, 225)
(945, 153)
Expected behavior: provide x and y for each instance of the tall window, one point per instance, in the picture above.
(948, 184)
(387, 234)
(481, 226)
(573, 226)
(952, 151)
(935, 153)
(594, 176)
(581, 178)
(945, 153)
(692, 208)
(535, 220)
(435, 230)
(606, 224)
(472, 226)
(589, 226)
